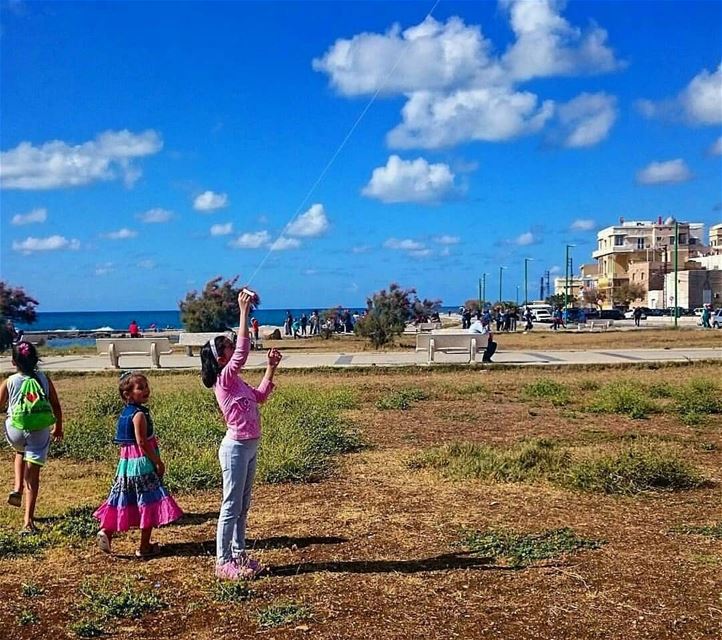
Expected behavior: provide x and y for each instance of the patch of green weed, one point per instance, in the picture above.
(77, 522)
(400, 400)
(107, 600)
(522, 549)
(623, 397)
(545, 389)
(27, 617)
(87, 629)
(31, 590)
(232, 591)
(13, 545)
(282, 612)
(709, 531)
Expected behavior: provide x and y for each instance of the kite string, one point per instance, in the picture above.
(340, 148)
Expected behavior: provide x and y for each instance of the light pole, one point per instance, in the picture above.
(526, 280)
(517, 295)
(483, 291)
(566, 278)
(501, 273)
(676, 271)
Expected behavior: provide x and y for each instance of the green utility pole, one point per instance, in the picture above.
(483, 290)
(479, 293)
(676, 268)
(501, 272)
(566, 278)
(526, 281)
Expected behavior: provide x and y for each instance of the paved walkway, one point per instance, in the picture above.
(312, 360)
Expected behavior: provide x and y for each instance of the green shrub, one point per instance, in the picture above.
(77, 522)
(709, 531)
(525, 548)
(660, 390)
(401, 400)
(282, 612)
(31, 590)
(107, 600)
(525, 461)
(87, 629)
(13, 545)
(623, 397)
(232, 591)
(27, 617)
(698, 399)
(636, 468)
(545, 389)
(588, 385)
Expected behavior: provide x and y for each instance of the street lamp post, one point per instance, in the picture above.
(501, 272)
(483, 291)
(526, 280)
(566, 278)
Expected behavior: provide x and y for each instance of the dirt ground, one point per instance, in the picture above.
(374, 551)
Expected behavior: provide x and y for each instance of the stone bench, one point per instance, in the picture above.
(117, 347)
(427, 326)
(452, 343)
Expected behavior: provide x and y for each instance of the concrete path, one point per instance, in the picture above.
(312, 360)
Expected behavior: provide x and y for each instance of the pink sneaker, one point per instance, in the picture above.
(238, 569)
(247, 564)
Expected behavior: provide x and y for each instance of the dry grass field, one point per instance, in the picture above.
(411, 536)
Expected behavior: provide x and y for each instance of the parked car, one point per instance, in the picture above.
(698, 311)
(541, 315)
(655, 313)
(629, 315)
(611, 314)
(716, 319)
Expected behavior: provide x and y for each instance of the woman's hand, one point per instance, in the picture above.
(246, 299)
(274, 357)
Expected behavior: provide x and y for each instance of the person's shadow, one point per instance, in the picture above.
(208, 547)
(443, 562)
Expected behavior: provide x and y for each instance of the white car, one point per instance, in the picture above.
(716, 319)
(541, 315)
(698, 311)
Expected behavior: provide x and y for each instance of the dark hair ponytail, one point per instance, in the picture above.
(209, 365)
(25, 357)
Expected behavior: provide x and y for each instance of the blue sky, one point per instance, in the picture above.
(148, 147)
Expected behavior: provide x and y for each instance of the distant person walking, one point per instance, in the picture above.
(287, 324)
(706, 315)
(528, 318)
(304, 324)
(138, 497)
(32, 409)
(220, 367)
(637, 314)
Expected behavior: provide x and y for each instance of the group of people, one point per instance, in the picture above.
(138, 497)
(341, 322)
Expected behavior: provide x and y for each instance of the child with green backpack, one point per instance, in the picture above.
(32, 409)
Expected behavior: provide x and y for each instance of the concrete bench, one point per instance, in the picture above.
(431, 343)
(427, 326)
(116, 347)
(190, 340)
(602, 325)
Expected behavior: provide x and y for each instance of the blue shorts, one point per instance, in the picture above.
(33, 445)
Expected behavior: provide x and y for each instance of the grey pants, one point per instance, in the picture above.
(238, 464)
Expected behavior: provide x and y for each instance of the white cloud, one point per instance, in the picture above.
(664, 172)
(447, 240)
(525, 239)
(36, 215)
(210, 201)
(51, 243)
(716, 148)
(547, 45)
(251, 240)
(309, 224)
(404, 245)
(585, 120)
(121, 234)
(583, 224)
(457, 89)
(491, 114)
(699, 103)
(146, 264)
(155, 216)
(429, 56)
(555, 269)
(58, 164)
(222, 229)
(420, 253)
(283, 244)
(410, 181)
(104, 269)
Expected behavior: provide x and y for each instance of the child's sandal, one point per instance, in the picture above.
(152, 551)
(15, 498)
(103, 541)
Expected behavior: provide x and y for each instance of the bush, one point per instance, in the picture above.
(525, 548)
(401, 400)
(555, 392)
(623, 397)
(525, 461)
(213, 309)
(638, 467)
(698, 399)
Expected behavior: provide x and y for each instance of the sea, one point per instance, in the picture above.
(119, 320)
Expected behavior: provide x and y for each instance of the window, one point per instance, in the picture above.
(682, 238)
(640, 243)
(671, 241)
(618, 240)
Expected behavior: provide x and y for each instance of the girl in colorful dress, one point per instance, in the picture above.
(32, 409)
(137, 497)
(220, 366)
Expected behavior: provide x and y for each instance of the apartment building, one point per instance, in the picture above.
(715, 239)
(629, 242)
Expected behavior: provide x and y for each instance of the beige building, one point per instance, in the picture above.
(620, 246)
(694, 288)
(585, 279)
(715, 239)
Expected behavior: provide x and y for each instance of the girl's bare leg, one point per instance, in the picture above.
(19, 465)
(145, 540)
(32, 484)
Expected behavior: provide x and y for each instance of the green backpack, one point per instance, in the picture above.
(33, 411)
